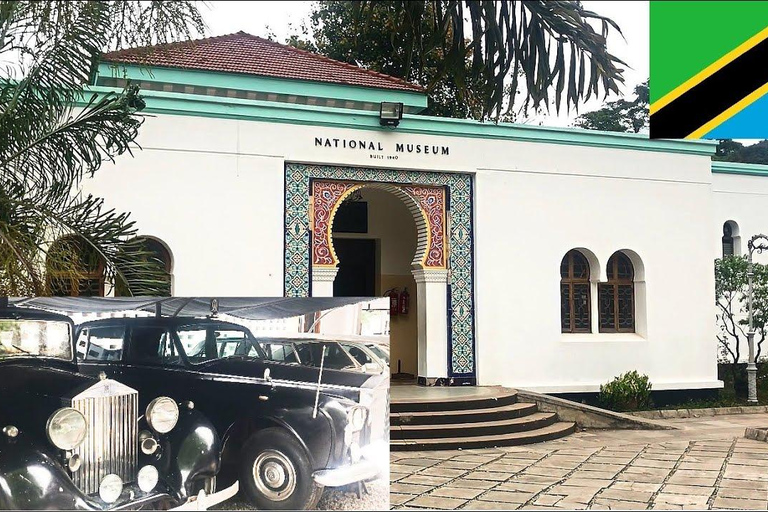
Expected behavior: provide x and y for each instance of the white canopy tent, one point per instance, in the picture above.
(250, 308)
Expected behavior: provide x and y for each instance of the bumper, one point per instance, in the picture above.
(373, 462)
(204, 501)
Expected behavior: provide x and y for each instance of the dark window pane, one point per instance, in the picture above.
(90, 287)
(606, 307)
(623, 267)
(727, 246)
(565, 307)
(626, 320)
(581, 307)
(580, 265)
(564, 267)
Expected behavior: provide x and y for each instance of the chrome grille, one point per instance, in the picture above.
(111, 444)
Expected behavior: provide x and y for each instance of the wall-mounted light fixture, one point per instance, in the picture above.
(390, 113)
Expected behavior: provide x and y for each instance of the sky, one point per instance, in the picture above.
(282, 19)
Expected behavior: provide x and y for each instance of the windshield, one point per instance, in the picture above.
(35, 337)
(203, 343)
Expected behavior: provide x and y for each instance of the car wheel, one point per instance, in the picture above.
(275, 472)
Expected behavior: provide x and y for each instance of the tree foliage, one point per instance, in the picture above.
(53, 134)
(729, 150)
(621, 115)
(731, 301)
(476, 58)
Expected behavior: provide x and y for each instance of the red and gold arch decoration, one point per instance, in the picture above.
(426, 203)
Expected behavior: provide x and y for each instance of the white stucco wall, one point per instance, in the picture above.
(741, 200)
(213, 190)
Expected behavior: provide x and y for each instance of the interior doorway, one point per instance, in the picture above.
(357, 268)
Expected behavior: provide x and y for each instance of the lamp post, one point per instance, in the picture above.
(757, 243)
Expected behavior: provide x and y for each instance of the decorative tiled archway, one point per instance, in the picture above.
(427, 205)
(299, 252)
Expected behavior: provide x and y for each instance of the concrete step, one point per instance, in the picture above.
(538, 435)
(476, 428)
(499, 398)
(427, 417)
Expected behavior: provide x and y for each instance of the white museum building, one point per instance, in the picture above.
(548, 259)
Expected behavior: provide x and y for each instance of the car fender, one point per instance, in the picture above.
(292, 421)
(32, 479)
(189, 452)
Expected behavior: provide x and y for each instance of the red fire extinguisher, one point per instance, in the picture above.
(404, 301)
(394, 301)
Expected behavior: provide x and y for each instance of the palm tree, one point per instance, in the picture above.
(49, 232)
(537, 49)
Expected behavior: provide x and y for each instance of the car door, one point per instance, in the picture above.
(153, 364)
(101, 349)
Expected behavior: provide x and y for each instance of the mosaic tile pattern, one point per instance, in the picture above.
(461, 301)
(431, 200)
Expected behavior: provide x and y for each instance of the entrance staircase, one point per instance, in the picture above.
(483, 420)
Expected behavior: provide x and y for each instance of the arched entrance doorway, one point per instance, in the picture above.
(443, 263)
(375, 237)
(401, 209)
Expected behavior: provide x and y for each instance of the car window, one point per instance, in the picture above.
(305, 354)
(230, 342)
(335, 357)
(379, 352)
(153, 345)
(208, 342)
(360, 355)
(282, 352)
(102, 343)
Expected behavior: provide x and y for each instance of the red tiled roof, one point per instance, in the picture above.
(253, 55)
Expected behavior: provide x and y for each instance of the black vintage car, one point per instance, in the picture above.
(73, 442)
(288, 430)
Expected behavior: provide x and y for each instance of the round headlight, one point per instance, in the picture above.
(162, 414)
(111, 488)
(356, 417)
(66, 428)
(148, 478)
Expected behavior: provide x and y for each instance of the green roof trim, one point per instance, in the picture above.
(275, 112)
(415, 100)
(721, 167)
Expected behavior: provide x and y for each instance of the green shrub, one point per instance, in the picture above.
(628, 392)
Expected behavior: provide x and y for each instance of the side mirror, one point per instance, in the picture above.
(267, 375)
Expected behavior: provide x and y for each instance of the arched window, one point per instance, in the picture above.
(574, 293)
(159, 251)
(617, 296)
(727, 240)
(74, 268)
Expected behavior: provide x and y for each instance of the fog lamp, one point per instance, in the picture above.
(356, 417)
(111, 488)
(148, 478)
(74, 462)
(390, 113)
(148, 446)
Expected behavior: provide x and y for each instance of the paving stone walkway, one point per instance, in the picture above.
(705, 465)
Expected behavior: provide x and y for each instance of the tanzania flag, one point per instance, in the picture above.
(709, 70)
